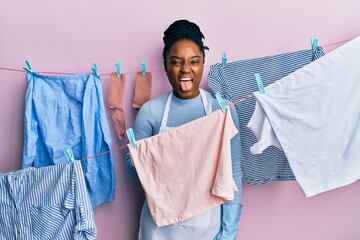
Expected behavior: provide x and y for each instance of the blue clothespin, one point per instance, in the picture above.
(117, 69)
(69, 156)
(95, 70)
(259, 83)
(131, 136)
(28, 67)
(220, 101)
(314, 44)
(143, 68)
(224, 59)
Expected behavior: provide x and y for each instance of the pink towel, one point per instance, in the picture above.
(187, 170)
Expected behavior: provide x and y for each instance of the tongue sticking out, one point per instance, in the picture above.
(186, 85)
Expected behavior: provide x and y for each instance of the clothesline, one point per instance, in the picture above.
(102, 153)
(121, 147)
(234, 103)
(126, 73)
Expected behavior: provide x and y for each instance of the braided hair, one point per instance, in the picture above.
(182, 29)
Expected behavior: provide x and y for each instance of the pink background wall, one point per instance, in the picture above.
(68, 36)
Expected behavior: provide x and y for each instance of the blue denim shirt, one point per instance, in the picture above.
(68, 111)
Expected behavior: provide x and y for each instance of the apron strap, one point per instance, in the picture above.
(206, 103)
(166, 112)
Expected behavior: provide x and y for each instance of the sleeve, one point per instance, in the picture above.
(143, 128)
(130, 169)
(85, 227)
(231, 211)
(31, 134)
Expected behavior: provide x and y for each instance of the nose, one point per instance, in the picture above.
(185, 68)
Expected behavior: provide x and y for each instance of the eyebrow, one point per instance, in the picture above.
(176, 57)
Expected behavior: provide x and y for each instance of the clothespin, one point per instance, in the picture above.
(131, 136)
(259, 83)
(69, 156)
(220, 101)
(223, 60)
(28, 67)
(95, 70)
(314, 44)
(143, 68)
(117, 69)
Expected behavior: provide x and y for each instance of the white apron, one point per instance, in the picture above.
(204, 226)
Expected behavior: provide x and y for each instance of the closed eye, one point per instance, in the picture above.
(175, 62)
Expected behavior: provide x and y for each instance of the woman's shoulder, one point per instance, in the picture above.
(148, 118)
(155, 105)
(152, 110)
(215, 104)
(211, 96)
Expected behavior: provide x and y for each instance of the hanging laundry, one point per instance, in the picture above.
(235, 81)
(68, 111)
(116, 103)
(46, 203)
(206, 176)
(150, 121)
(142, 89)
(314, 114)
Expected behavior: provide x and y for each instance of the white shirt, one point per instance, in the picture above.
(314, 114)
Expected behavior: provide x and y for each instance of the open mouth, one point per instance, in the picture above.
(186, 84)
(185, 79)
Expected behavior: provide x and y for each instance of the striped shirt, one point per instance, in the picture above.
(236, 81)
(46, 203)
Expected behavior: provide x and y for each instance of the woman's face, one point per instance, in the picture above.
(185, 65)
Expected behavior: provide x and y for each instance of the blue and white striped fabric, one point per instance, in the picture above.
(68, 111)
(46, 203)
(237, 81)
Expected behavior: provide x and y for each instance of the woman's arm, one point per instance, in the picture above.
(142, 129)
(147, 124)
(231, 211)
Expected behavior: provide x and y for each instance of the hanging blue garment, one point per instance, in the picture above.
(235, 81)
(46, 203)
(68, 111)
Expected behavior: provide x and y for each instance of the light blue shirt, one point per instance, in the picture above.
(68, 111)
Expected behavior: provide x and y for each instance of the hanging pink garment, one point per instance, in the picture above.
(187, 170)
